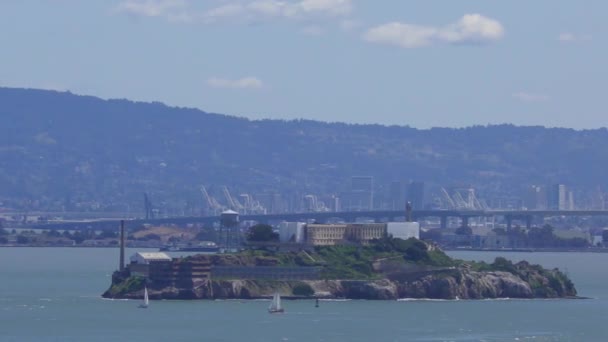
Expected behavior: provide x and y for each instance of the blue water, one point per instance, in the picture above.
(52, 294)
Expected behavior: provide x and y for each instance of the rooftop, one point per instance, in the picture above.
(153, 256)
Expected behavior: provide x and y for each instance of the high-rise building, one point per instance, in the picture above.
(415, 194)
(557, 197)
(336, 204)
(598, 199)
(362, 193)
(535, 198)
(331, 202)
(570, 201)
(310, 203)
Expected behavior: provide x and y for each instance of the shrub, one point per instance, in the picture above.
(502, 264)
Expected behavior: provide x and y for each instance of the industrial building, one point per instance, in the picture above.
(314, 234)
(335, 234)
(141, 262)
(292, 232)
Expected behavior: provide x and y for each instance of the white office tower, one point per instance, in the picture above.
(403, 230)
(291, 232)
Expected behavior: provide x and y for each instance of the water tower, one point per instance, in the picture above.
(230, 237)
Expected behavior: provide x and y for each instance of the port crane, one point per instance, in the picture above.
(233, 203)
(211, 206)
(458, 201)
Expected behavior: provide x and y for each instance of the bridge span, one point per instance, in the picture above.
(347, 216)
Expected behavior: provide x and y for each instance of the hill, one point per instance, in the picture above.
(64, 151)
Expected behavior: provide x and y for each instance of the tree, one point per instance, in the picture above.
(500, 231)
(150, 236)
(78, 237)
(542, 237)
(262, 233)
(22, 240)
(53, 233)
(464, 230)
(108, 234)
(206, 235)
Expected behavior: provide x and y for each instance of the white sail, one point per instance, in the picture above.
(146, 302)
(275, 305)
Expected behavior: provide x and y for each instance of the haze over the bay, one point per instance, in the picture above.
(417, 63)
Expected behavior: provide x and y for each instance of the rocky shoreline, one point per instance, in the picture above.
(447, 284)
(389, 269)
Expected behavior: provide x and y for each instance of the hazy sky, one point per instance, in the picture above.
(421, 63)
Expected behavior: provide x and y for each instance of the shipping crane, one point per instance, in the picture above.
(211, 206)
(233, 203)
(448, 200)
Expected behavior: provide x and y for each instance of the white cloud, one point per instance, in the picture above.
(239, 11)
(266, 9)
(530, 97)
(403, 35)
(151, 8)
(470, 29)
(224, 11)
(241, 83)
(571, 37)
(244, 11)
(333, 7)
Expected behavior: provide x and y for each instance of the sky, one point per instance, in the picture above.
(420, 63)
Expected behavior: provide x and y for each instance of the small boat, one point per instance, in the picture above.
(275, 305)
(146, 302)
(317, 303)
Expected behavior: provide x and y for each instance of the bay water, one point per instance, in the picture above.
(53, 294)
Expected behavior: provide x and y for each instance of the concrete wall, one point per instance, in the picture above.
(403, 230)
(291, 232)
(265, 272)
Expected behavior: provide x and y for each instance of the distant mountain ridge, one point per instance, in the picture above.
(57, 148)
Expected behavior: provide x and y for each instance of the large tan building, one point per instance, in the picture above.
(335, 234)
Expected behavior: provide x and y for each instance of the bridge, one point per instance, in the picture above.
(347, 216)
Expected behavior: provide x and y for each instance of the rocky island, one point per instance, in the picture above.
(387, 269)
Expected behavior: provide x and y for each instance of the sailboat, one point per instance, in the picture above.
(145, 304)
(275, 305)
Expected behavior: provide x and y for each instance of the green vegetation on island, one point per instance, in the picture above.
(386, 269)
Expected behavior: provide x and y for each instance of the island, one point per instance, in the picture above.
(386, 269)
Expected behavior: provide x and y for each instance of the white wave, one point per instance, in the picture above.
(424, 300)
(116, 299)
